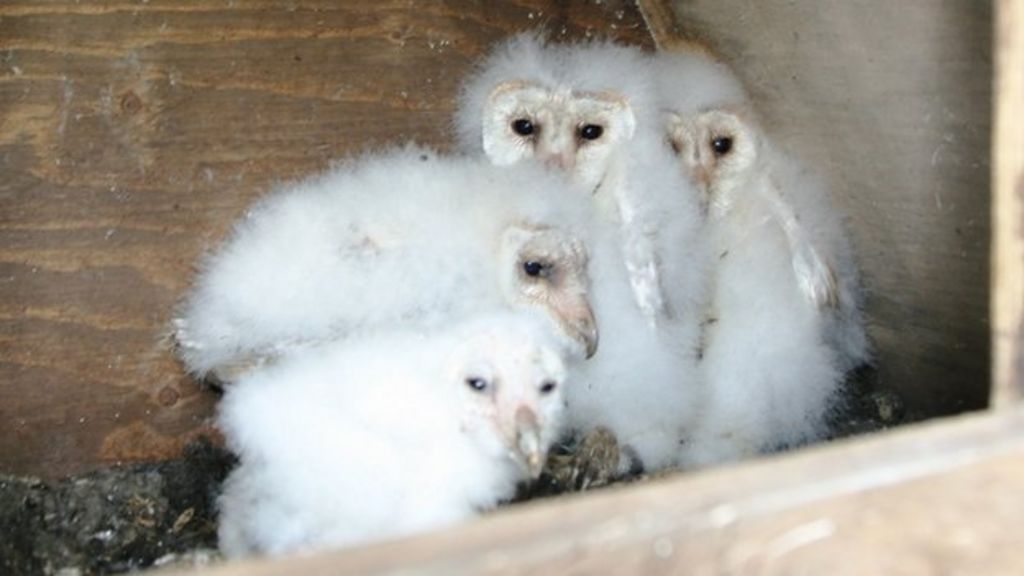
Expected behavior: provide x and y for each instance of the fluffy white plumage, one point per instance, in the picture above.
(389, 434)
(786, 321)
(590, 108)
(404, 236)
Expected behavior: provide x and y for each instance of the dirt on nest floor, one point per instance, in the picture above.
(112, 520)
(128, 518)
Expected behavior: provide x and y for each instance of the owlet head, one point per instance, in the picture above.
(716, 148)
(547, 268)
(575, 131)
(511, 377)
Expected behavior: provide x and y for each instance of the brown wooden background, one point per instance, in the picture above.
(131, 135)
(893, 101)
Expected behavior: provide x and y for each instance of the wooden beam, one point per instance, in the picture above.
(1008, 207)
(944, 494)
(660, 21)
(666, 30)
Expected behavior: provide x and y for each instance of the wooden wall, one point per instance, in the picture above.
(1008, 208)
(133, 132)
(939, 498)
(893, 100)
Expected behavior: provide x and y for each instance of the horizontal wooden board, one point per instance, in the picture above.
(133, 132)
(941, 498)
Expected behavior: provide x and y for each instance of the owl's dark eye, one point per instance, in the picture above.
(476, 384)
(536, 269)
(721, 145)
(548, 387)
(523, 127)
(591, 131)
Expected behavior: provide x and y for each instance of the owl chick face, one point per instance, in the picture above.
(716, 148)
(575, 131)
(510, 379)
(547, 268)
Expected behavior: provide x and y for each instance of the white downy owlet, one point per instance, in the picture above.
(390, 433)
(404, 236)
(786, 322)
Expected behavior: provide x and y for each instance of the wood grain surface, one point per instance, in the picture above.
(941, 498)
(892, 101)
(132, 133)
(1008, 208)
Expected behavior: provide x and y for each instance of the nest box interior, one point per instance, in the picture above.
(132, 134)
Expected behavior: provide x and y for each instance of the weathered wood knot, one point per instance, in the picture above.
(168, 396)
(130, 103)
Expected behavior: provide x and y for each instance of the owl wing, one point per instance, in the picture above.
(815, 277)
(642, 263)
(645, 276)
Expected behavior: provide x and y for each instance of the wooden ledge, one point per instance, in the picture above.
(939, 496)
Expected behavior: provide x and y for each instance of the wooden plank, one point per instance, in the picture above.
(941, 497)
(660, 21)
(133, 133)
(892, 101)
(1008, 208)
(666, 30)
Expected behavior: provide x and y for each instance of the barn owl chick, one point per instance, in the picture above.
(405, 236)
(713, 129)
(643, 385)
(589, 108)
(389, 433)
(721, 152)
(785, 323)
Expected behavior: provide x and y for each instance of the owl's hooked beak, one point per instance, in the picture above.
(527, 446)
(562, 160)
(555, 148)
(577, 319)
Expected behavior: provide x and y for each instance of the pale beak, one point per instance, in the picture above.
(578, 321)
(703, 177)
(527, 441)
(557, 152)
(563, 160)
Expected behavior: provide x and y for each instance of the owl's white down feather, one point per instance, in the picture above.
(692, 82)
(643, 384)
(770, 376)
(380, 436)
(405, 236)
(773, 359)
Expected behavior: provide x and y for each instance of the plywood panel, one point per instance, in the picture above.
(133, 132)
(936, 499)
(893, 101)
(1008, 208)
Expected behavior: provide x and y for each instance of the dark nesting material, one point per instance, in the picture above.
(114, 519)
